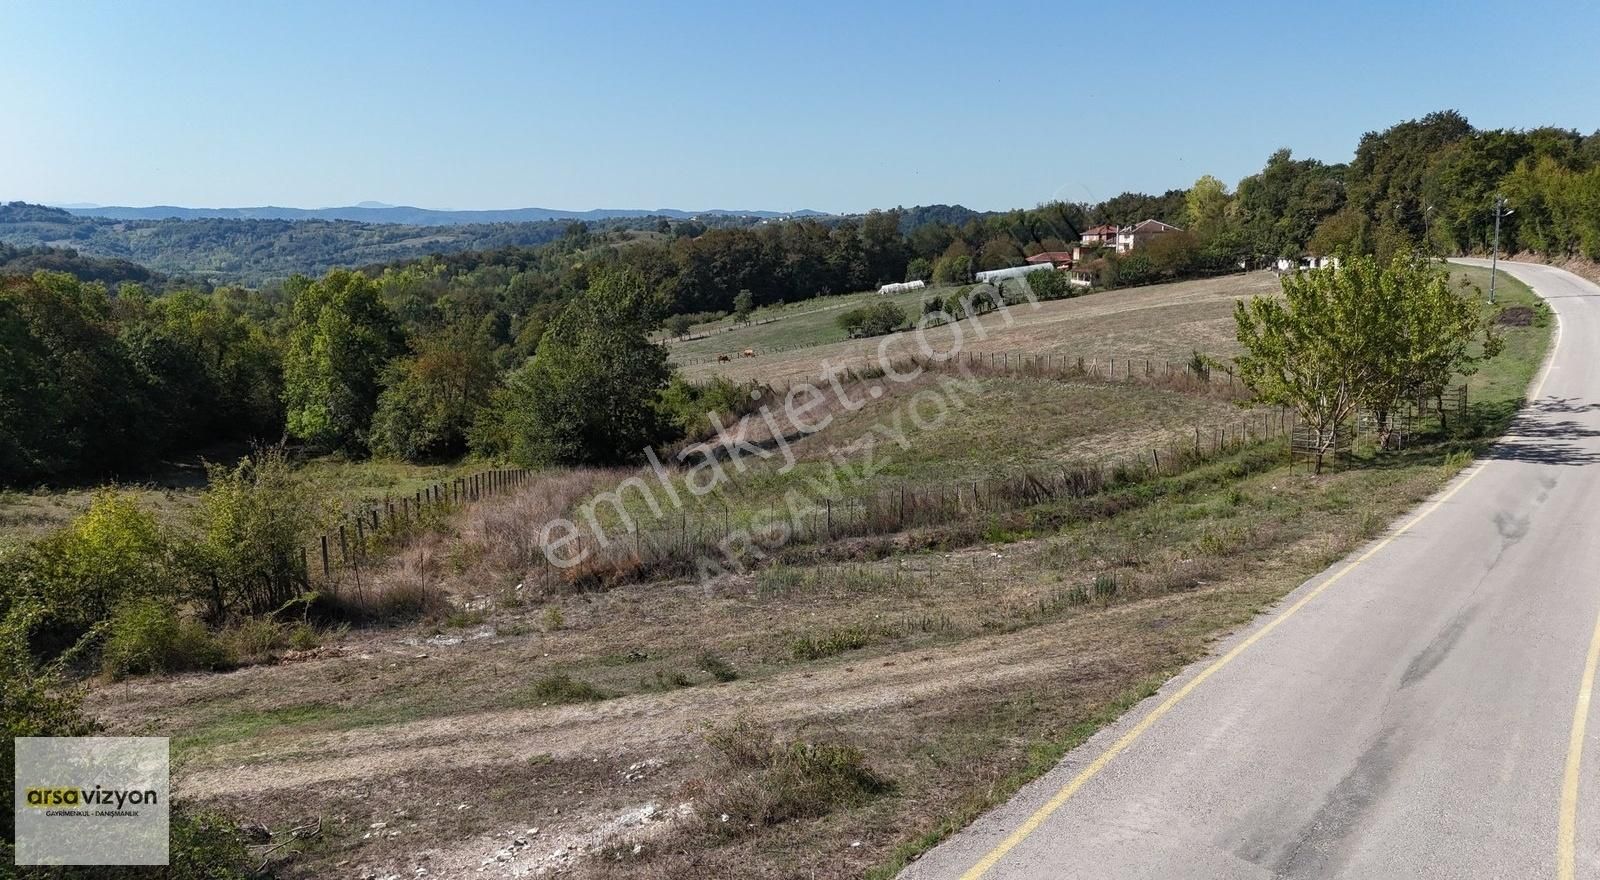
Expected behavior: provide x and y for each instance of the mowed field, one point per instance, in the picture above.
(1161, 322)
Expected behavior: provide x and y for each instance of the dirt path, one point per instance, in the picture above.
(269, 763)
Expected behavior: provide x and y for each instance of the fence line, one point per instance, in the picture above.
(679, 543)
(367, 523)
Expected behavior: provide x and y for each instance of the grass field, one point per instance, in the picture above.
(959, 662)
(1161, 322)
(171, 490)
(792, 325)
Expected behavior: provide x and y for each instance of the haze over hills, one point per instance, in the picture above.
(379, 212)
(254, 246)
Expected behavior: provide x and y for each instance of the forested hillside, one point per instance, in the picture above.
(255, 252)
(509, 347)
(28, 260)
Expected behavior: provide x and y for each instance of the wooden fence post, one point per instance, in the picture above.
(325, 568)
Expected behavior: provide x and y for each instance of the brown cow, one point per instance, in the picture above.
(748, 353)
(723, 359)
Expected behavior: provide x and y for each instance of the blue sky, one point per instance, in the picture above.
(832, 106)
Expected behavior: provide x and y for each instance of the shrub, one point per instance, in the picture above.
(677, 326)
(691, 404)
(761, 782)
(255, 521)
(71, 579)
(874, 320)
(1051, 285)
(262, 639)
(149, 636)
(719, 668)
(33, 702)
(817, 647)
(977, 299)
(254, 640)
(563, 688)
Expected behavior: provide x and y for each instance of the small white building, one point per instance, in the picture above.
(902, 286)
(1306, 264)
(994, 275)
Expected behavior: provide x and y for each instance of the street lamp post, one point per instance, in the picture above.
(1494, 256)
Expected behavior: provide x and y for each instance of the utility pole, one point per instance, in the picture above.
(1494, 256)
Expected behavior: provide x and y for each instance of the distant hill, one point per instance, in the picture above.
(111, 271)
(254, 251)
(377, 212)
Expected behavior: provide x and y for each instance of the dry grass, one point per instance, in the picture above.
(957, 663)
(974, 657)
(1165, 322)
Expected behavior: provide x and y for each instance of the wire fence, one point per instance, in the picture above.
(702, 541)
(367, 526)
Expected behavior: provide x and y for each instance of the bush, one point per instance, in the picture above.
(262, 639)
(690, 404)
(563, 688)
(763, 782)
(978, 299)
(677, 326)
(719, 668)
(255, 521)
(818, 647)
(1051, 285)
(874, 320)
(66, 583)
(149, 636)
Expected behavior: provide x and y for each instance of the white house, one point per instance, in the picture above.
(1140, 234)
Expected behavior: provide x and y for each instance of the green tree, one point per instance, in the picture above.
(590, 396)
(342, 337)
(1206, 207)
(430, 400)
(677, 326)
(1361, 333)
(744, 305)
(877, 319)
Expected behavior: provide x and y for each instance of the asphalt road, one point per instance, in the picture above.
(1420, 709)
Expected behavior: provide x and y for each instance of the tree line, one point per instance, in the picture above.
(430, 358)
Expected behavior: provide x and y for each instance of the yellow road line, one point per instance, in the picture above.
(1567, 835)
(1567, 825)
(1033, 822)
